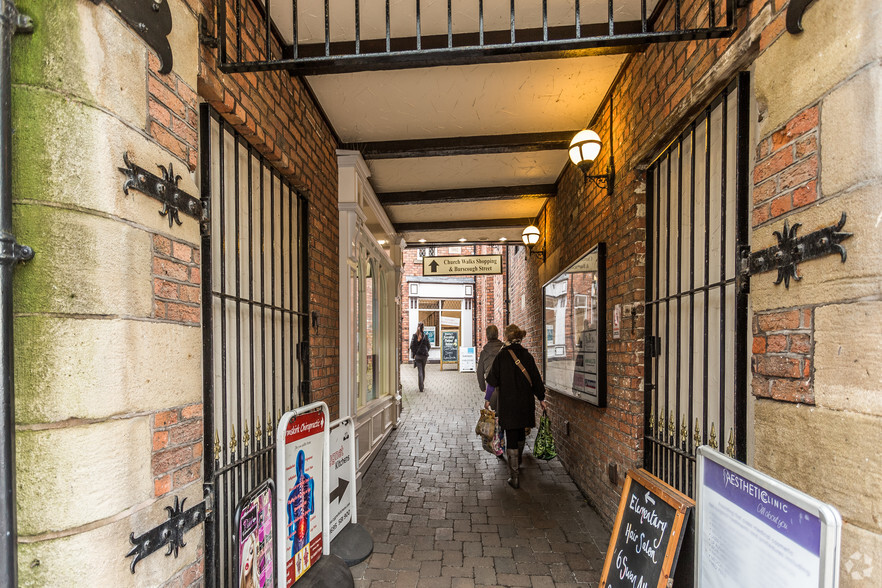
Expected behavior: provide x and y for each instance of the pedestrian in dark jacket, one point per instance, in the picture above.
(515, 374)
(419, 350)
(485, 361)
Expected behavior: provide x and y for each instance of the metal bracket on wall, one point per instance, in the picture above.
(170, 533)
(792, 250)
(164, 189)
(794, 15)
(152, 20)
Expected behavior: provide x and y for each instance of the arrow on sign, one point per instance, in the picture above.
(340, 490)
(649, 498)
(434, 266)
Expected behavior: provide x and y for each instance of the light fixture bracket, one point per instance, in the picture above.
(604, 181)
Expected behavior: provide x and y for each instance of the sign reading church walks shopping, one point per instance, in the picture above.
(462, 265)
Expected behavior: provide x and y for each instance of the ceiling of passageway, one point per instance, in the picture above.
(468, 151)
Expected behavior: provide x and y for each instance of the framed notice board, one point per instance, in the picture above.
(647, 533)
(449, 347)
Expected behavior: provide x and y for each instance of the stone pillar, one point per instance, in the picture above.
(817, 372)
(107, 338)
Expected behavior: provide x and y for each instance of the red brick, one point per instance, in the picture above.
(171, 269)
(806, 146)
(777, 366)
(792, 391)
(778, 321)
(182, 251)
(160, 440)
(190, 294)
(799, 173)
(168, 140)
(184, 476)
(759, 345)
(781, 205)
(192, 411)
(764, 191)
(165, 289)
(171, 459)
(166, 97)
(805, 195)
(161, 245)
(186, 432)
(777, 344)
(159, 113)
(800, 343)
(197, 450)
(195, 275)
(164, 419)
(182, 313)
(806, 317)
(771, 166)
(802, 123)
(162, 485)
(761, 215)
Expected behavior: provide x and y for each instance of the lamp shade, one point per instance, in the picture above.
(530, 236)
(584, 147)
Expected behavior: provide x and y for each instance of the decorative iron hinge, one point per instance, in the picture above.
(792, 250)
(171, 532)
(795, 10)
(11, 252)
(164, 189)
(152, 20)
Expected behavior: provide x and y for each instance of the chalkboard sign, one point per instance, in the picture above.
(449, 346)
(647, 534)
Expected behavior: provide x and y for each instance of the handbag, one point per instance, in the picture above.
(544, 446)
(486, 426)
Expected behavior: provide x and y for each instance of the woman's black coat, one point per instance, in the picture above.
(516, 405)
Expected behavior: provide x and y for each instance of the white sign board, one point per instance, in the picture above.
(467, 359)
(462, 265)
(301, 475)
(756, 531)
(342, 469)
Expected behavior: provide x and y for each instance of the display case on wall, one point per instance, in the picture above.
(575, 329)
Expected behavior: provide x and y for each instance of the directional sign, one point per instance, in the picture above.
(342, 467)
(462, 265)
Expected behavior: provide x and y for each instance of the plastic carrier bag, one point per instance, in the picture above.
(544, 446)
(486, 426)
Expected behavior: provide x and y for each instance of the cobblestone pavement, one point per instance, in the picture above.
(441, 514)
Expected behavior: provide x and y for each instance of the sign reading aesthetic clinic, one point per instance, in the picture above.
(756, 531)
(301, 468)
(462, 265)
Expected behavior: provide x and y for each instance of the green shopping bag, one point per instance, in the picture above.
(544, 446)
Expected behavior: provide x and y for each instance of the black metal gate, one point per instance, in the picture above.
(254, 293)
(696, 310)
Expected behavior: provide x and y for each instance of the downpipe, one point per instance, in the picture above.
(11, 22)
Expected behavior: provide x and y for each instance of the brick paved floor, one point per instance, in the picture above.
(441, 514)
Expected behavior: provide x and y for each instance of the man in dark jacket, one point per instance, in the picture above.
(515, 374)
(488, 354)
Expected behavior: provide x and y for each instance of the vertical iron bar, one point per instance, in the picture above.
(610, 18)
(677, 16)
(659, 409)
(272, 239)
(691, 422)
(481, 22)
(327, 29)
(648, 312)
(578, 11)
(643, 22)
(269, 27)
(730, 13)
(220, 28)
(251, 388)
(282, 191)
(295, 41)
(222, 267)
(357, 27)
(304, 303)
(681, 461)
(263, 245)
(268, 426)
(545, 20)
(388, 30)
(449, 24)
(291, 291)
(419, 39)
(512, 22)
(207, 343)
(724, 121)
(670, 458)
(742, 227)
(240, 482)
(712, 13)
(707, 139)
(239, 56)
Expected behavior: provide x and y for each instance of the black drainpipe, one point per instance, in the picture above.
(11, 22)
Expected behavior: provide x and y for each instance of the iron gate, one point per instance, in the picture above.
(696, 310)
(254, 290)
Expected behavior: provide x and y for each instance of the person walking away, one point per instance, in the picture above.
(515, 375)
(485, 361)
(419, 350)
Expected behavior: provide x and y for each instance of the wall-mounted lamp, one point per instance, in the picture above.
(584, 149)
(530, 237)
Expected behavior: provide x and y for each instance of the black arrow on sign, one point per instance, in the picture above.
(340, 490)
(434, 266)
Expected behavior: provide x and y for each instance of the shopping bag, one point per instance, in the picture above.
(486, 426)
(495, 445)
(544, 446)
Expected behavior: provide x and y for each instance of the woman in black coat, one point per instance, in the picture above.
(517, 390)
(419, 349)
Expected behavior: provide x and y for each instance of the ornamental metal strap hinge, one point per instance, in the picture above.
(164, 189)
(795, 10)
(152, 20)
(170, 532)
(790, 251)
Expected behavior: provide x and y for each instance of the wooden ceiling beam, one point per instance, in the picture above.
(475, 145)
(467, 195)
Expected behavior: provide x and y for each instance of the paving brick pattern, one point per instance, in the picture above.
(441, 514)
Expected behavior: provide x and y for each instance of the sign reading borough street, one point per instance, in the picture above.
(462, 265)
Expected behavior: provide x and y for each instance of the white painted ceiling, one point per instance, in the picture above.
(446, 102)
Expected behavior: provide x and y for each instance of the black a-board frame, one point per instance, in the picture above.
(679, 503)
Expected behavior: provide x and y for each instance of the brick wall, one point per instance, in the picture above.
(782, 355)
(176, 281)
